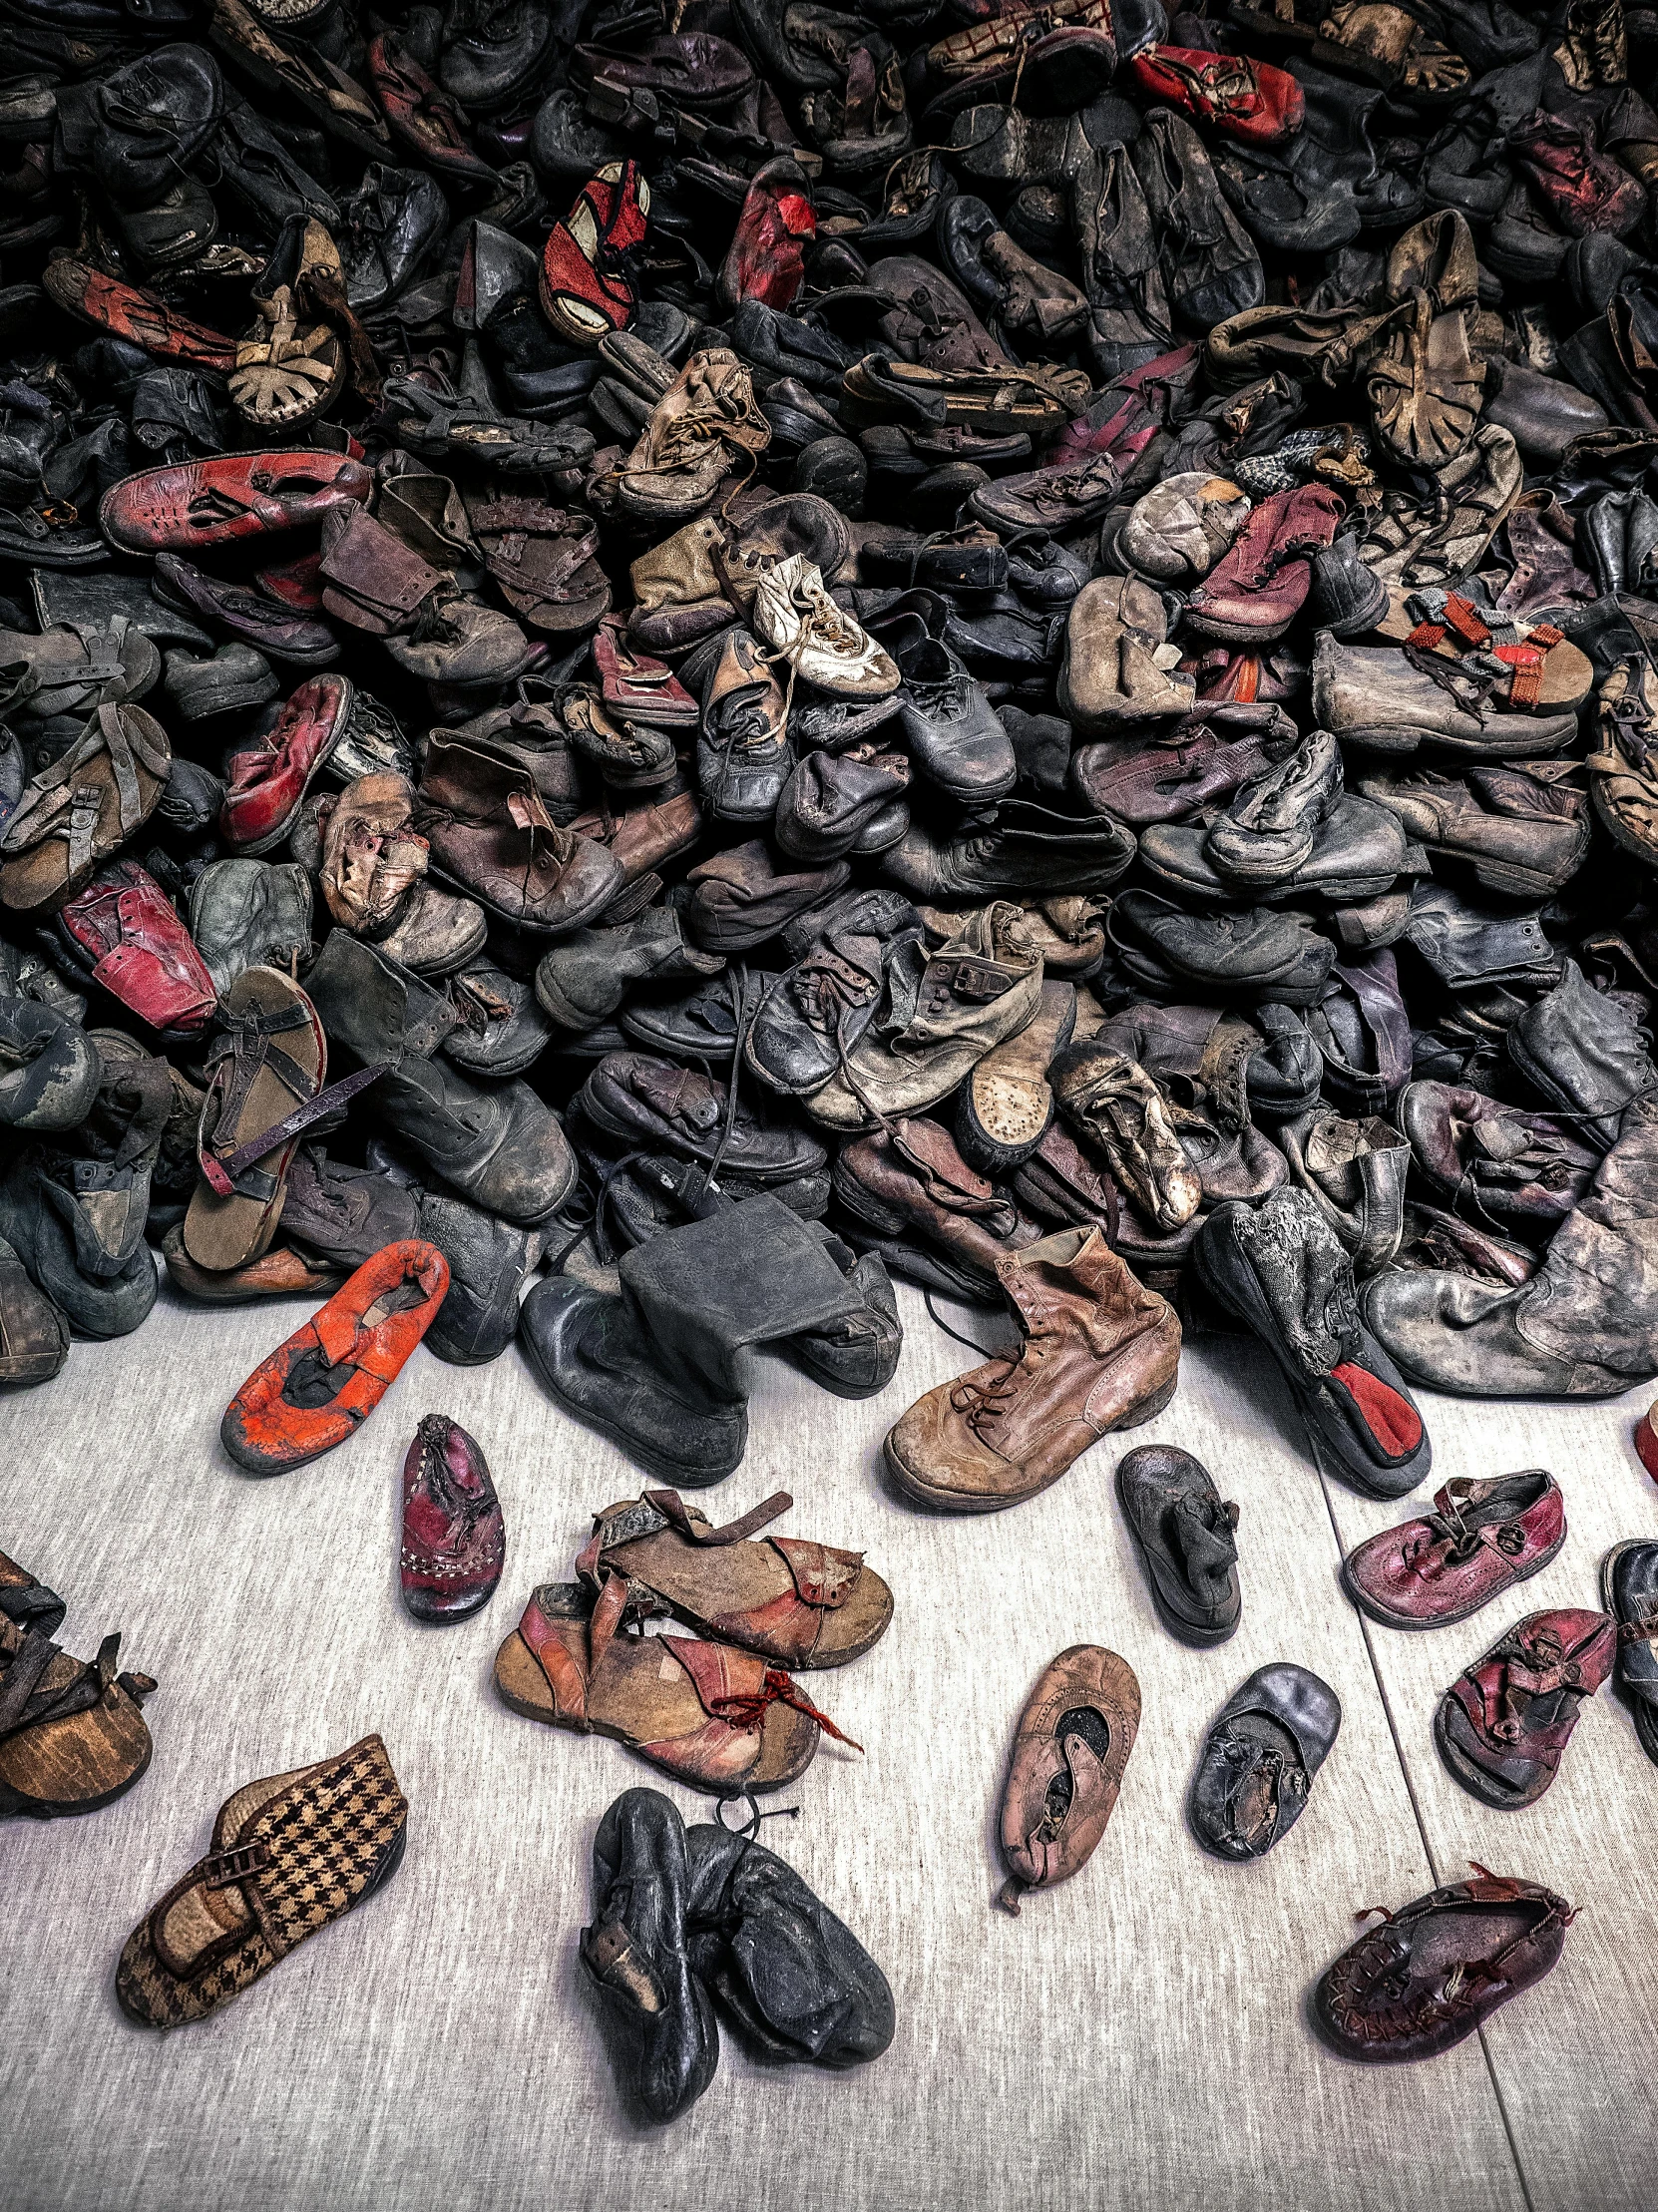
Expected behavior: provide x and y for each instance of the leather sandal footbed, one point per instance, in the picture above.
(788, 1739)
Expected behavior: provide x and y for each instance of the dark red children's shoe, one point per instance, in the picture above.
(777, 220)
(294, 584)
(1246, 100)
(1583, 190)
(1504, 1723)
(183, 507)
(321, 1385)
(125, 311)
(587, 290)
(277, 634)
(1439, 1966)
(421, 114)
(637, 687)
(268, 782)
(1479, 1540)
(1260, 583)
(123, 932)
(454, 1536)
(1646, 1440)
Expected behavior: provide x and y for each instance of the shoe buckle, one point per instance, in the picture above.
(222, 1868)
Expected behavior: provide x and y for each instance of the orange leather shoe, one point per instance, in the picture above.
(329, 1375)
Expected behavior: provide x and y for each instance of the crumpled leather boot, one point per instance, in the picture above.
(584, 978)
(792, 1977)
(1586, 1325)
(664, 2043)
(1100, 1352)
(500, 1145)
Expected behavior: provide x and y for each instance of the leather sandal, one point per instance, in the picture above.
(83, 808)
(267, 1066)
(290, 1854)
(72, 1737)
(718, 1719)
(802, 1604)
(321, 1386)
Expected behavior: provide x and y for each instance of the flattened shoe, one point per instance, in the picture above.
(1070, 1752)
(318, 1388)
(1258, 1759)
(289, 1855)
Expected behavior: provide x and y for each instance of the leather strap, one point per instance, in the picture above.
(220, 1175)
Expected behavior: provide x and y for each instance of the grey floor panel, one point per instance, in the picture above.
(1134, 2039)
(1578, 2089)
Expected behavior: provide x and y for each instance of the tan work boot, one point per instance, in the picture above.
(1100, 1352)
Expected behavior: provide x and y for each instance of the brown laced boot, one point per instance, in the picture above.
(1100, 1352)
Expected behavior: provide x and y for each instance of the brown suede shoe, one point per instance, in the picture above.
(1100, 1352)
(1073, 1741)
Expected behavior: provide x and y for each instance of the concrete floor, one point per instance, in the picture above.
(1134, 2039)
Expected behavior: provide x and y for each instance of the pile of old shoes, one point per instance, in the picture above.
(1016, 662)
(692, 1924)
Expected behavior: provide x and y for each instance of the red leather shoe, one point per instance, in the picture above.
(1244, 99)
(421, 114)
(1585, 191)
(454, 1536)
(767, 262)
(1504, 1724)
(1479, 1540)
(322, 1383)
(137, 317)
(637, 687)
(1260, 583)
(183, 507)
(268, 782)
(123, 932)
(586, 288)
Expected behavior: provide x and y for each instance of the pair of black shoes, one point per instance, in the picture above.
(690, 1919)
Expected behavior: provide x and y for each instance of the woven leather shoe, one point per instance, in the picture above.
(1438, 1967)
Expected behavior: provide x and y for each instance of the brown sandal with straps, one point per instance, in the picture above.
(72, 1737)
(83, 808)
(268, 1065)
(801, 1604)
(716, 1717)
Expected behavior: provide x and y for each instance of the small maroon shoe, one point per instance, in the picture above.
(1260, 583)
(268, 782)
(635, 686)
(191, 504)
(1246, 100)
(1504, 1724)
(1439, 1966)
(1479, 1540)
(1585, 191)
(766, 260)
(454, 1536)
(123, 933)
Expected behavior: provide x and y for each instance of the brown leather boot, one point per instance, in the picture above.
(1100, 1352)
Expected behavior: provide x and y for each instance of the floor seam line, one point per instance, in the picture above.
(1427, 1842)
